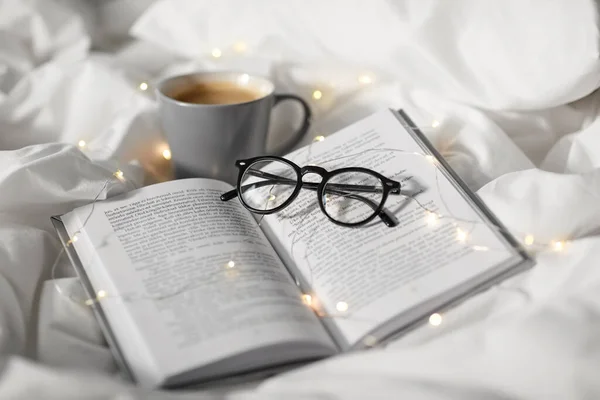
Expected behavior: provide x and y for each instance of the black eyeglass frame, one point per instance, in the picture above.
(388, 187)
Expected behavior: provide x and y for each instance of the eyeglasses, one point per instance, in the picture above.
(347, 196)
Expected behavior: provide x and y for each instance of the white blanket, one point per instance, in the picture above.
(69, 118)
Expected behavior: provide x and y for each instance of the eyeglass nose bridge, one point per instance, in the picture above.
(314, 170)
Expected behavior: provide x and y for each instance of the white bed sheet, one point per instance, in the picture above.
(535, 336)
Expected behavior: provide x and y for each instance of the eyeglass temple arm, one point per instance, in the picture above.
(388, 218)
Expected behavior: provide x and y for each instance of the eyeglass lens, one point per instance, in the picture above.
(267, 184)
(345, 202)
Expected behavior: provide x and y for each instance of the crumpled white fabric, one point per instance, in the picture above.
(532, 337)
(500, 55)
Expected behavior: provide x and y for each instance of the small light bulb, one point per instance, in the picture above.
(307, 299)
(435, 123)
(342, 306)
(481, 248)
(240, 47)
(430, 158)
(317, 94)
(216, 52)
(461, 235)
(81, 144)
(73, 239)
(558, 245)
(319, 138)
(435, 319)
(529, 240)
(370, 341)
(166, 154)
(101, 294)
(119, 175)
(231, 264)
(365, 79)
(143, 86)
(272, 197)
(432, 218)
(89, 302)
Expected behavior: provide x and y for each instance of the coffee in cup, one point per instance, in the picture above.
(217, 92)
(212, 119)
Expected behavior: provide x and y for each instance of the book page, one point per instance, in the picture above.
(364, 276)
(193, 279)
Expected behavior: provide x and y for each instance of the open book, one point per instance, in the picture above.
(191, 288)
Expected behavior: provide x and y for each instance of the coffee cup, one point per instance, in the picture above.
(211, 119)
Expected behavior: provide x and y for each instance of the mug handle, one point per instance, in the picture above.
(299, 134)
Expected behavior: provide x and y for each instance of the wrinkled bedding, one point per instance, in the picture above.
(505, 90)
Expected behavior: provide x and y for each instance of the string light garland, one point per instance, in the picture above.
(432, 218)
